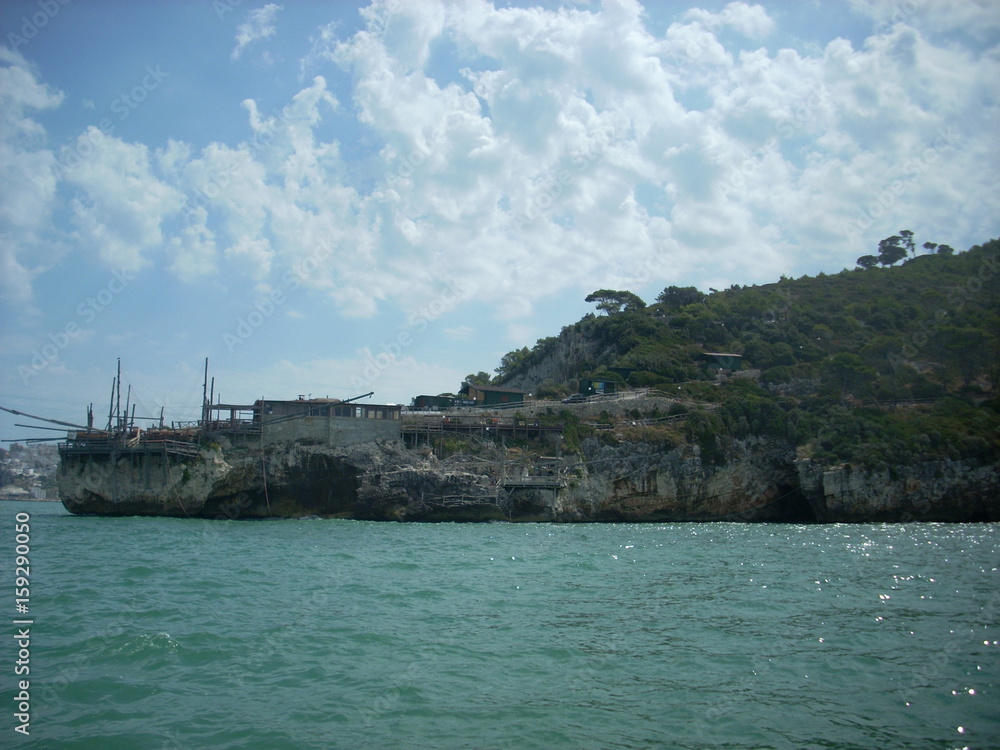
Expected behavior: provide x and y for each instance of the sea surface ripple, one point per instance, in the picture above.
(181, 633)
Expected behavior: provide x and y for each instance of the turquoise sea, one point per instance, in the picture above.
(175, 633)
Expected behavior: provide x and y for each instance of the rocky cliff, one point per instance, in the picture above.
(559, 360)
(927, 491)
(645, 482)
(380, 481)
(758, 480)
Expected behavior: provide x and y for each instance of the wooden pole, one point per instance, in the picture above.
(118, 398)
(204, 395)
(111, 407)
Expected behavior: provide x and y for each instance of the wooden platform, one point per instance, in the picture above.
(414, 427)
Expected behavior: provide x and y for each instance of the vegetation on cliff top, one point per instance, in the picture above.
(872, 366)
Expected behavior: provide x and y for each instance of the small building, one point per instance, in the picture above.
(327, 420)
(432, 402)
(597, 387)
(331, 421)
(492, 395)
(720, 361)
(325, 407)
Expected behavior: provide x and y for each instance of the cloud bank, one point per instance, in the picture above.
(521, 153)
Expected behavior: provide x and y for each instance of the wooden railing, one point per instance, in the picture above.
(108, 446)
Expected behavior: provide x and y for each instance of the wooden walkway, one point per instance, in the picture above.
(430, 427)
(113, 447)
(539, 483)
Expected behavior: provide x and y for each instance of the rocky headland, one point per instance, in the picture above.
(756, 480)
(865, 396)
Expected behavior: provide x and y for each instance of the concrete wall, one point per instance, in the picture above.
(334, 431)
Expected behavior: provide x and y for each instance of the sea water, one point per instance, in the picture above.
(180, 633)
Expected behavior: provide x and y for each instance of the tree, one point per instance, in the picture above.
(867, 261)
(930, 246)
(890, 250)
(945, 250)
(848, 372)
(510, 362)
(676, 297)
(968, 348)
(907, 237)
(611, 301)
(480, 378)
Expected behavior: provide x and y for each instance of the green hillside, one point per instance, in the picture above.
(872, 366)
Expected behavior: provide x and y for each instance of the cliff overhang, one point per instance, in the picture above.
(758, 480)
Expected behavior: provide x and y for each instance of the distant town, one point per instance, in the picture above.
(28, 472)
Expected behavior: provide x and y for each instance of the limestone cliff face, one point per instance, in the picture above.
(643, 482)
(929, 491)
(152, 485)
(762, 480)
(378, 481)
(758, 480)
(561, 362)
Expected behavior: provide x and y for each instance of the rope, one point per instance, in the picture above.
(263, 469)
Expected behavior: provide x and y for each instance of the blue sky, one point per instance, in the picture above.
(332, 198)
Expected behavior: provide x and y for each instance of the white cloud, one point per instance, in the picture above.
(121, 206)
(460, 333)
(21, 92)
(569, 148)
(27, 177)
(487, 161)
(259, 25)
(980, 19)
(560, 160)
(750, 20)
(255, 254)
(193, 253)
(15, 277)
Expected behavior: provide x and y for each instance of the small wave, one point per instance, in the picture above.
(144, 644)
(138, 572)
(398, 565)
